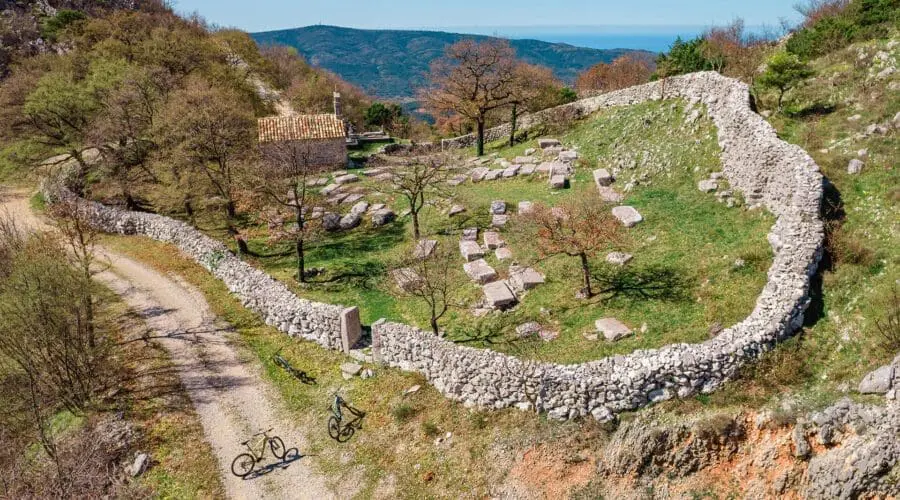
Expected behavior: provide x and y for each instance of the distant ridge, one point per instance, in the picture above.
(393, 63)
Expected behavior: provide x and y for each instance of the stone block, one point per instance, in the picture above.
(558, 181)
(424, 249)
(480, 271)
(457, 180)
(548, 143)
(470, 234)
(524, 160)
(351, 328)
(612, 329)
(382, 217)
(498, 207)
(530, 151)
(493, 175)
(406, 278)
(360, 208)
(511, 171)
(503, 253)
(528, 329)
(352, 198)
(456, 210)
(350, 221)
(855, 166)
(498, 295)
(610, 195)
(525, 207)
(478, 174)
(346, 179)
(522, 279)
(602, 177)
(527, 169)
(492, 240)
(470, 250)
(568, 156)
(331, 221)
(628, 216)
(329, 189)
(499, 220)
(350, 370)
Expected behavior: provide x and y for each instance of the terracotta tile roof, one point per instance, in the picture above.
(300, 127)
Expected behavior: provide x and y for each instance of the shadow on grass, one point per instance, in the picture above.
(655, 282)
(833, 214)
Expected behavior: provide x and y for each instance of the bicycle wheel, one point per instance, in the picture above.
(243, 465)
(346, 433)
(334, 428)
(277, 447)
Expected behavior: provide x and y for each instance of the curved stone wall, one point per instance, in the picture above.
(769, 172)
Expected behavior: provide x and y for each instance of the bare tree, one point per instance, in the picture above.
(530, 89)
(472, 79)
(579, 227)
(626, 71)
(284, 178)
(433, 279)
(416, 178)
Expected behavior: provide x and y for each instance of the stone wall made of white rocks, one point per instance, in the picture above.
(272, 300)
(769, 172)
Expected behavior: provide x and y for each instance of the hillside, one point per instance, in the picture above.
(393, 63)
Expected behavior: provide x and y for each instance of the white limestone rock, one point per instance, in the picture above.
(480, 271)
(628, 216)
(497, 295)
(612, 329)
(470, 250)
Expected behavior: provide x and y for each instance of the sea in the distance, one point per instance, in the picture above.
(655, 38)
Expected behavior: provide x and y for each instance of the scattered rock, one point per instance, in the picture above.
(498, 207)
(456, 210)
(470, 234)
(140, 464)
(424, 249)
(612, 329)
(558, 182)
(602, 177)
(525, 207)
(350, 370)
(350, 221)
(619, 258)
(511, 171)
(499, 220)
(523, 279)
(503, 253)
(801, 445)
(548, 143)
(329, 189)
(367, 374)
(568, 156)
(493, 175)
(855, 166)
(548, 335)
(478, 174)
(854, 118)
(346, 179)
(412, 390)
(492, 240)
(627, 215)
(528, 329)
(331, 221)
(457, 180)
(360, 208)
(708, 186)
(530, 152)
(609, 194)
(406, 278)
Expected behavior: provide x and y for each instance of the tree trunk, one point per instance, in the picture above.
(586, 271)
(301, 262)
(512, 122)
(479, 143)
(434, 326)
(230, 210)
(189, 209)
(130, 204)
(415, 218)
(780, 99)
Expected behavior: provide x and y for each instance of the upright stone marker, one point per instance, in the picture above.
(351, 328)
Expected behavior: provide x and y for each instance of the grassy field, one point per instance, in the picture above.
(686, 233)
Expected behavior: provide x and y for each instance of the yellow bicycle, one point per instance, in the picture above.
(244, 463)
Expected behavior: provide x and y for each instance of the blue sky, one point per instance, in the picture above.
(481, 15)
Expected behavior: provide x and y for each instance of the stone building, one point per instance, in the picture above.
(323, 135)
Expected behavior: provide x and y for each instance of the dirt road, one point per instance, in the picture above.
(228, 394)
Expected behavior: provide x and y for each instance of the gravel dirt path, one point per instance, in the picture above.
(233, 402)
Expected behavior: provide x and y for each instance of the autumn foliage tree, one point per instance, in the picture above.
(579, 227)
(626, 71)
(472, 79)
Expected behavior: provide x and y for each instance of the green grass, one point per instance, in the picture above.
(685, 232)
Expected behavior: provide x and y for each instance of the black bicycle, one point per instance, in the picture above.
(339, 430)
(300, 375)
(244, 463)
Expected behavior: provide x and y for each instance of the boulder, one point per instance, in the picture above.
(350, 370)
(140, 464)
(708, 186)
(503, 253)
(424, 249)
(619, 258)
(331, 221)
(470, 250)
(480, 271)
(602, 177)
(511, 171)
(878, 382)
(346, 179)
(470, 234)
(498, 295)
(548, 143)
(628, 216)
(855, 166)
(558, 181)
(492, 240)
(612, 329)
(350, 221)
(382, 217)
(498, 207)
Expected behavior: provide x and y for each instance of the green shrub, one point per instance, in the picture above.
(430, 429)
(403, 412)
(63, 18)
(862, 20)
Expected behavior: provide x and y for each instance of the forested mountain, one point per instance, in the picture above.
(393, 63)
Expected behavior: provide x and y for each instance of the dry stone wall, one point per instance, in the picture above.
(769, 172)
(271, 299)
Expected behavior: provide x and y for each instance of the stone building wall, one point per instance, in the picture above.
(323, 153)
(769, 172)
